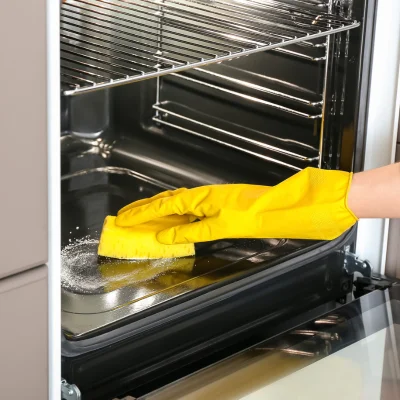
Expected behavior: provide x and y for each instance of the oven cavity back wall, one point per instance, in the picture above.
(279, 96)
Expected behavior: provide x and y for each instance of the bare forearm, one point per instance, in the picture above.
(376, 193)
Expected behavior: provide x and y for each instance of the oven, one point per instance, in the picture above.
(158, 95)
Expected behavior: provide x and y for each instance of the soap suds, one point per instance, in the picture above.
(79, 263)
(81, 268)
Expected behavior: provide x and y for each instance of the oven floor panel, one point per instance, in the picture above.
(98, 292)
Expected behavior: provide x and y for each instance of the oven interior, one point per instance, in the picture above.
(158, 95)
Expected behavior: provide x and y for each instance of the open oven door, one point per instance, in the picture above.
(350, 353)
(352, 349)
(198, 331)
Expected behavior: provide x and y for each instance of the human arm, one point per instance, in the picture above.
(376, 193)
(312, 204)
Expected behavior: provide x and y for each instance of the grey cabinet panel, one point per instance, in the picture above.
(23, 336)
(23, 161)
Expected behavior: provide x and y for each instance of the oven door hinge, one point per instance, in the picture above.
(364, 285)
(368, 281)
(353, 264)
(69, 392)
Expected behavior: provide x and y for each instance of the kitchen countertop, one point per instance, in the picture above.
(356, 357)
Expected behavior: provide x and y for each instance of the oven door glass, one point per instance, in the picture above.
(352, 353)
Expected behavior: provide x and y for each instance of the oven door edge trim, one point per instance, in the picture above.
(75, 348)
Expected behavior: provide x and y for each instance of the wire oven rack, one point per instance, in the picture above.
(236, 140)
(106, 43)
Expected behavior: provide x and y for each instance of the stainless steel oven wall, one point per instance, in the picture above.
(87, 116)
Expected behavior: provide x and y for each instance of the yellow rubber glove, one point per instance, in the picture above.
(311, 204)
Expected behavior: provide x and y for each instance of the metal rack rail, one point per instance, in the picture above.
(255, 99)
(106, 43)
(294, 160)
(259, 88)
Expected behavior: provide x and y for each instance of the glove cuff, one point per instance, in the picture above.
(346, 203)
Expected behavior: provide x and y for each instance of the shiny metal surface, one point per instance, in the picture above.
(325, 91)
(240, 86)
(166, 112)
(250, 98)
(97, 291)
(257, 87)
(252, 153)
(108, 43)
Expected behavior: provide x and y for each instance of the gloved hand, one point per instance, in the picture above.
(311, 204)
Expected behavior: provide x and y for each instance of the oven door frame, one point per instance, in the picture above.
(377, 129)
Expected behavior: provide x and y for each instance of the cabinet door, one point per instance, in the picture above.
(23, 333)
(23, 132)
